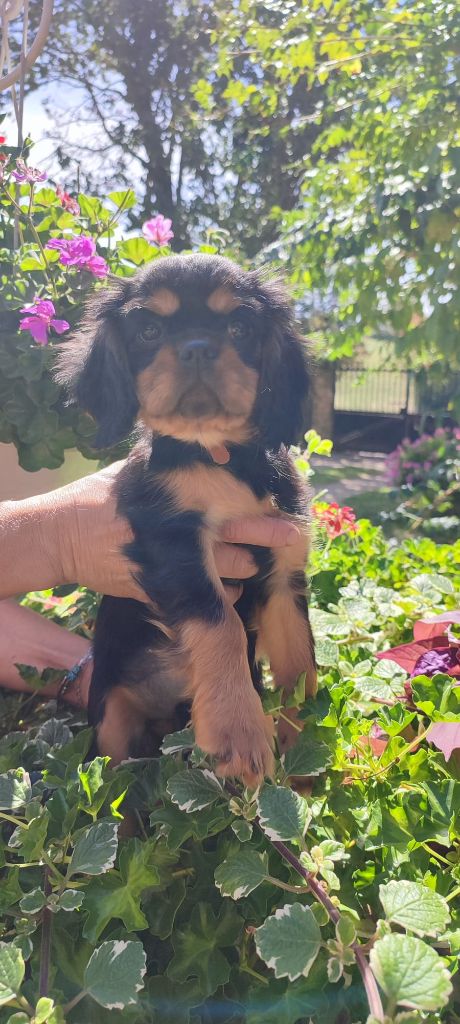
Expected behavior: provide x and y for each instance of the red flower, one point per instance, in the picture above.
(67, 201)
(2, 140)
(334, 519)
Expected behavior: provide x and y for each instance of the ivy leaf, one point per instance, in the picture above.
(33, 901)
(410, 972)
(95, 850)
(198, 948)
(29, 839)
(120, 895)
(114, 974)
(307, 757)
(283, 814)
(242, 829)
(415, 907)
(15, 789)
(12, 970)
(193, 790)
(289, 941)
(71, 899)
(241, 874)
(175, 742)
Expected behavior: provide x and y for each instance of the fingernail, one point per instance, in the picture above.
(292, 536)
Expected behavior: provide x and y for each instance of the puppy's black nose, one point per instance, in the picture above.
(197, 350)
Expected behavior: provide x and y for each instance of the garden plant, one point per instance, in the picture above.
(332, 893)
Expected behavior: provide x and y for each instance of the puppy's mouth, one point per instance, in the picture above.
(198, 402)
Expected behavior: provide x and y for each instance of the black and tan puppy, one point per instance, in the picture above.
(207, 358)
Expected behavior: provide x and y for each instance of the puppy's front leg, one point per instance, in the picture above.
(227, 712)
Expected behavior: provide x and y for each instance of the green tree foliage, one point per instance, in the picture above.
(143, 82)
(375, 236)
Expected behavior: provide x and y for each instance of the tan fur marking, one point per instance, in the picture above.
(164, 302)
(222, 300)
(161, 384)
(123, 721)
(217, 493)
(227, 712)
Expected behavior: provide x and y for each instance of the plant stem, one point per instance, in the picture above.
(286, 886)
(73, 1002)
(453, 894)
(45, 947)
(369, 982)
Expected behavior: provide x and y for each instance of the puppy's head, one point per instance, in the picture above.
(196, 349)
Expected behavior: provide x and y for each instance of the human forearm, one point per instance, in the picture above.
(28, 550)
(30, 639)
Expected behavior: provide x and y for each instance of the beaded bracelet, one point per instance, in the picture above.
(72, 675)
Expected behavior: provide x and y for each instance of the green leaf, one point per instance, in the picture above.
(410, 972)
(283, 814)
(120, 896)
(12, 970)
(176, 742)
(71, 899)
(114, 974)
(126, 199)
(15, 789)
(137, 251)
(198, 946)
(43, 1010)
(307, 757)
(345, 931)
(33, 902)
(289, 941)
(95, 850)
(415, 907)
(242, 829)
(194, 789)
(240, 874)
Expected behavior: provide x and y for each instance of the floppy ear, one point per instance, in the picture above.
(94, 369)
(280, 410)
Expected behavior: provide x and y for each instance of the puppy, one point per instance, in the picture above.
(207, 358)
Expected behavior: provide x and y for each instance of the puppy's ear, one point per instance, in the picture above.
(280, 410)
(94, 369)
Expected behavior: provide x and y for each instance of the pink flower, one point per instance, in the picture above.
(29, 174)
(335, 520)
(80, 252)
(41, 320)
(67, 201)
(2, 140)
(158, 230)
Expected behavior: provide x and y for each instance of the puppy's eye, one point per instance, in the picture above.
(150, 332)
(241, 329)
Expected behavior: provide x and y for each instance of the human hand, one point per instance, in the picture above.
(88, 536)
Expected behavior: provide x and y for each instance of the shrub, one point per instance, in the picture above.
(427, 473)
(254, 907)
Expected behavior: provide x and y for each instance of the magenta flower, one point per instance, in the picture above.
(41, 320)
(67, 201)
(157, 231)
(29, 174)
(81, 253)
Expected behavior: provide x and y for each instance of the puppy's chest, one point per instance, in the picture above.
(217, 494)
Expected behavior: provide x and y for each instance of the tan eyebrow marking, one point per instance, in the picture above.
(222, 300)
(164, 302)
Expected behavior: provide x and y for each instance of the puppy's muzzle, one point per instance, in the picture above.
(197, 352)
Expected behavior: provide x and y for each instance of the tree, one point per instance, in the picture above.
(146, 77)
(375, 235)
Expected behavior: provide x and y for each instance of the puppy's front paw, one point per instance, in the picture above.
(242, 746)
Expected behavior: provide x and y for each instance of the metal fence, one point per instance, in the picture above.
(381, 392)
